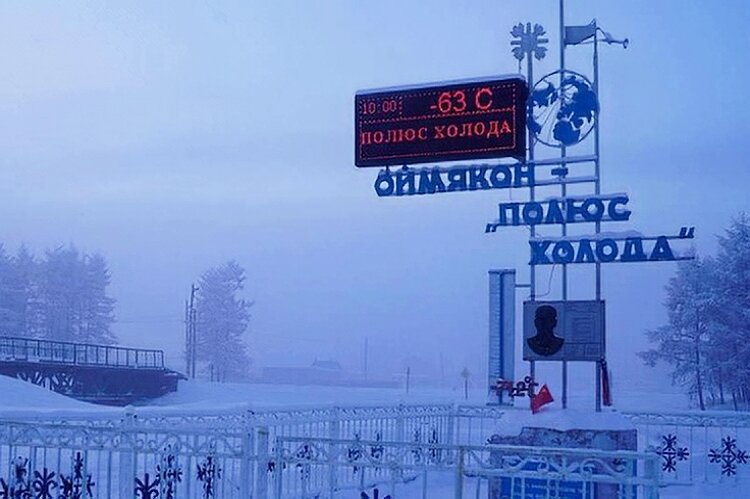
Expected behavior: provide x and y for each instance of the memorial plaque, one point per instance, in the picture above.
(563, 330)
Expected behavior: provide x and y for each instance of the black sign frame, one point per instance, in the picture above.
(452, 121)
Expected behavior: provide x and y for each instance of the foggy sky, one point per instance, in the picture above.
(172, 136)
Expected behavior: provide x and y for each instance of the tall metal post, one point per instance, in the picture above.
(532, 193)
(598, 189)
(188, 354)
(564, 192)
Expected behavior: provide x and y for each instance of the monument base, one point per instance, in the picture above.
(563, 429)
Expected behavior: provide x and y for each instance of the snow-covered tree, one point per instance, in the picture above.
(707, 340)
(9, 321)
(27, 287)
(733, 314)
(684, 341)
(222, 319)
(73, 299)
(17, 293)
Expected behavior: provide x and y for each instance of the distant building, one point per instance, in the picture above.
(327, 364)
(321, 372)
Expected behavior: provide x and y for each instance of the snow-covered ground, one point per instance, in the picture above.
(647, 395)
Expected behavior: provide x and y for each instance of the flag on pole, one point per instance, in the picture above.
(542, 398)
(577, 34)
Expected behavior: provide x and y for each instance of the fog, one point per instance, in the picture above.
(173, 136)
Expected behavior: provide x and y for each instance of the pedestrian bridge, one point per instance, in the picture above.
(101, 374)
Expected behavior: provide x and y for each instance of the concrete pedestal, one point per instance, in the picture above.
(603, 431)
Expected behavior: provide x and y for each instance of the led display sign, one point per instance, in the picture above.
(448, 122)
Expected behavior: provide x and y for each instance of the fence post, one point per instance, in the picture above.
(451, 424)
(278, 458)
(334, 433)
(127, 457)
(261, 470)
(458, 491)
(251, 457)
(651, 470)
(400, 423)
(245, 464)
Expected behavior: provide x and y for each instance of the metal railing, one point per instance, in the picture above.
(697, 446)
(44, 461)
(79, 354)
(328, 468)
(335, 451)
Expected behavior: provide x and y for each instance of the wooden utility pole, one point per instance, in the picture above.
(190, 332)
(366, 353)
(187, 339)
(465, 375)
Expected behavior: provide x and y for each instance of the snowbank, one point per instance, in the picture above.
(558, 419)
(25, 401)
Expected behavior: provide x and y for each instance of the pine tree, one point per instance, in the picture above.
(222, 319)
(8, 309)
(97, 309)
(27, 275)
(685, 341)
(733, 314)
(72, 295)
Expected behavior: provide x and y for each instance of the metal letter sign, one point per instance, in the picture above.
(473, 119)
(563, 330)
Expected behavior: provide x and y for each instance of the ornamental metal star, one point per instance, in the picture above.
(729, 455)
(529, 41)
(671, 453)
(375, 495)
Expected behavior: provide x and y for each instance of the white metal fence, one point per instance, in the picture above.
(345, 452)
(344, 468)
(707, 447)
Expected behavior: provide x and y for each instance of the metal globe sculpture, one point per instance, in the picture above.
(563, 109)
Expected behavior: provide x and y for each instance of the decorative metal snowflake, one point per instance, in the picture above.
(169, 473)
(208, 473)
(73, 486)
(528, 41)
(434, 453)
(375, 495)
(147, 488)
(18, 488)
(671, 453)
(417, 451)
(305, 453)
(377, 451)
(729, 456)
(355, 453)
(44, 484)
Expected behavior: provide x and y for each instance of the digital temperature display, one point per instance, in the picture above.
(449, 122)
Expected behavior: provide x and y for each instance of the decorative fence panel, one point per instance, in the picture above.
(157, 453)
(331, 468)
(45, 461)
(708, 447)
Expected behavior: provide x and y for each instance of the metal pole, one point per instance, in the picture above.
(188, 355)
(564, 189)
(532, 193)
(597, 185)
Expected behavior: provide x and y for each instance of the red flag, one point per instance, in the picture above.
(542, 398)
